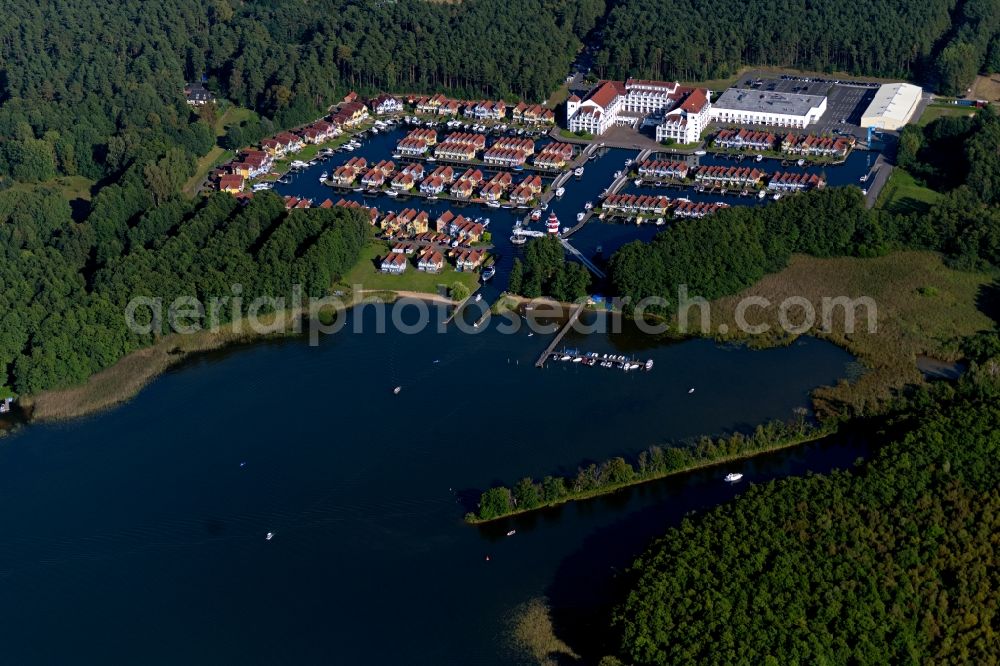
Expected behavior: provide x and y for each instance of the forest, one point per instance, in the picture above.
(66, 284)
(90, 88)
(942, 43)
(729, 251)
(894, 561)
(545, 272)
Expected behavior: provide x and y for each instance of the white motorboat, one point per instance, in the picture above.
(699, 152)
(777, 195)
(759, 158)
(649, 364)
(578, 171)
(761, 194)
(588, 205)
(577, 359)
(733, 477)
(396, 390)
(637, 182)
(690, 391)
(536, 215)
(323, 176)
(580, 216)
(560, 191)
(269, 536)
(512, 533)
(493, 204)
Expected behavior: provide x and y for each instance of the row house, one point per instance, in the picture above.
(371, 212)
(664, 169)
(403, 182)
(409, 222)
(637, 203)
(794, 182)
(231, 183)
(692, 209)
(405, 248)
(394, 263)
(505, 157)
(443, 220)
(429, 104)
(492, 192)
(461, 145)
(822, 146)
(446, 173)
(350, 114)
(387, 167)
(408, 147)
(253, 163)
(528, 189)
(742, 176)
(431, 261)
(555, 155)
(486, 110)
(535, 114)
(526, 146)
(433, 237)
(295, 202)
(374, 179)
(465, 229)
(385, 105)
(290, 143)
(414, 170)
(467, 183)
(327, 203)
(432, 186)
(344, 176)
(745, 139)
(469, 260)
(319, 132)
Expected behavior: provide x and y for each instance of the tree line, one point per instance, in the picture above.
(942, 42)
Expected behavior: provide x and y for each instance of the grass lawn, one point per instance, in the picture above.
(586, 136)
(233, 115)
(367, 274)
(935, 111)
(71, 187)
(558, 96)
(923, 307)
(902, 194)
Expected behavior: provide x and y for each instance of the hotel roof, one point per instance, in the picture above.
(768, 102)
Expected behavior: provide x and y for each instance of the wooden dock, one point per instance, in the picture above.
(577, 311)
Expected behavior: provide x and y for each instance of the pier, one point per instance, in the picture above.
(587, 263)
(577, 311)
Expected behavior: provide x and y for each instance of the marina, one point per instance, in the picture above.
(610, 361)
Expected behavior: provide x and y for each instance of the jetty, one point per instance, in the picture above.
(573, 317)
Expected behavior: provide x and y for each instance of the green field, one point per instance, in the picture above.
(71, 187)
(903, 194)
(367, 275)
(935, 111)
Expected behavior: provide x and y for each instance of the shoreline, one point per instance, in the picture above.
(129, 375)
(819, 433)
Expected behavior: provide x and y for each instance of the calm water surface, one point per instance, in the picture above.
(137, 535)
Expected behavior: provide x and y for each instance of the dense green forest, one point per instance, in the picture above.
(545, 272)
(67, 284)
(90, 88)
(729, 251)
(942, 42)
(895, 561)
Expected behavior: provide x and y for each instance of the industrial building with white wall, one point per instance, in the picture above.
(893, 106)
(755, 107)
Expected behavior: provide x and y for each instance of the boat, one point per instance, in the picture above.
(478, 298)
(536, 215)
(863, 178)
(733, 477)
(588, 205)
(512, 533)
(578, 171)
(432, 197)
(759, 158)
(560, 191)
(649, 364)
(580, 216)
(493, 204)
(323, 176)
(518, 239)
(699, 152)
(392, 193)
(690, 391)
(489, 272)
(801, 162)
(432, 159)
(761, 194)
(396, 390)
(637, 182)
(565, 357)
(660, 222)
(577, 359)
(269, 536)
(777, 195)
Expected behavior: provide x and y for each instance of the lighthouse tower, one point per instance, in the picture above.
(552, 225)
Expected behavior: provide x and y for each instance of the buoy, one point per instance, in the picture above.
(487, 558)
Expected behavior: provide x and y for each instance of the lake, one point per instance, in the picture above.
(137, 535)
